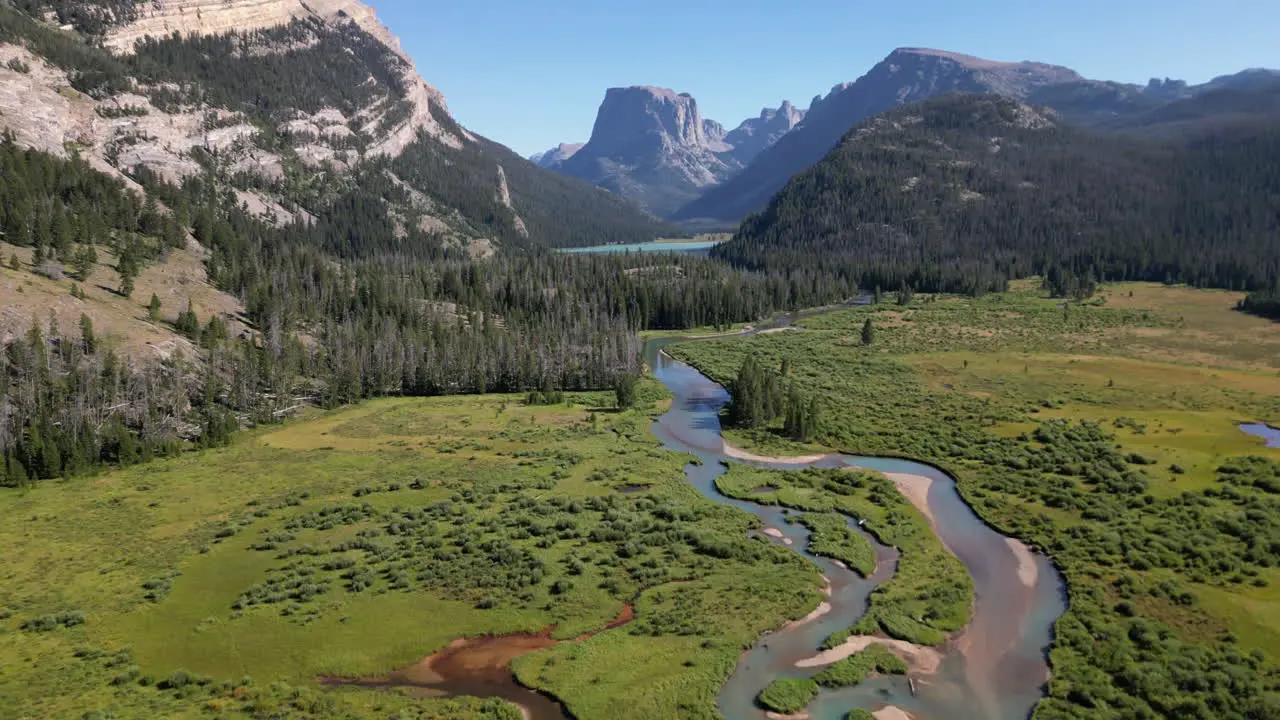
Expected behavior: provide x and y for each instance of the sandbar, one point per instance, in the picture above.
(823, 608)
(891, 712)
(920, 659)
(916, 489)
(746, 456)
(1028, 569)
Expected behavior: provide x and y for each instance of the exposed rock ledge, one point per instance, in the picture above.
(211, 17)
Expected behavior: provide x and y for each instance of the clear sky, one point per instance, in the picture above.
(531, 74)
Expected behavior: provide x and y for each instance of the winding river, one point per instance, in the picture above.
(994, 670)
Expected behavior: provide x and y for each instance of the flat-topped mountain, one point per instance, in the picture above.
(652, 146)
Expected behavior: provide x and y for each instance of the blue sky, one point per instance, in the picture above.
(532, 74)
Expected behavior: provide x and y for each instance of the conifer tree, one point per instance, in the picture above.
(87, 338)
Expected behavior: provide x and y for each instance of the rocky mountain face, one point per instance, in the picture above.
(910, 75)
(652, 146)
(268, 95)
(755, 135)
(162, 18)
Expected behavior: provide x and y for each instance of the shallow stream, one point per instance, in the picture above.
(995, 670)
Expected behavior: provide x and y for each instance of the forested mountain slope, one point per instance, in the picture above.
(314, 226)
(965, 192)
(910, 75)
(906, 76)
(285, 111)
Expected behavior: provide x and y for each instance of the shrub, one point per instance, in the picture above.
(788, 695)
(49, 623)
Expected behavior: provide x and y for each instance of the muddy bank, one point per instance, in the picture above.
(480, 667)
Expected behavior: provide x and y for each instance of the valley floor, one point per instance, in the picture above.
(225, 583)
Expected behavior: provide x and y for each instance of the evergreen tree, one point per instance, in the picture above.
(89, 342)
(625, 392)
(83, 261)
(868, 332)
(756, 398)
(153, 308)
(188, 323)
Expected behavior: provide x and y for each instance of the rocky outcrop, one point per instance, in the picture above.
(160, 18)
(504, 196)
(906, 76)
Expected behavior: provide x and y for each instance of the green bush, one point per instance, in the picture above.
(788, 695)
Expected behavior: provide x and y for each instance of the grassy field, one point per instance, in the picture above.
(354, 542)
(1104, 432)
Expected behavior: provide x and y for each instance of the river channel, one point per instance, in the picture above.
(994, 670)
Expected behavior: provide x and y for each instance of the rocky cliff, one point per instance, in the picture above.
(162, 18)
(653, 146)
(283, 102)
(906, 76)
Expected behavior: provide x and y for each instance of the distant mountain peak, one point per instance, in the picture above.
(652, 145)
(907, 75)
(556, 155)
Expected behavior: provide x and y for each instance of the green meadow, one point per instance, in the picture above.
(224, 583)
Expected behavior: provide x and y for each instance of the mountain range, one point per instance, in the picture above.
(634, 153)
